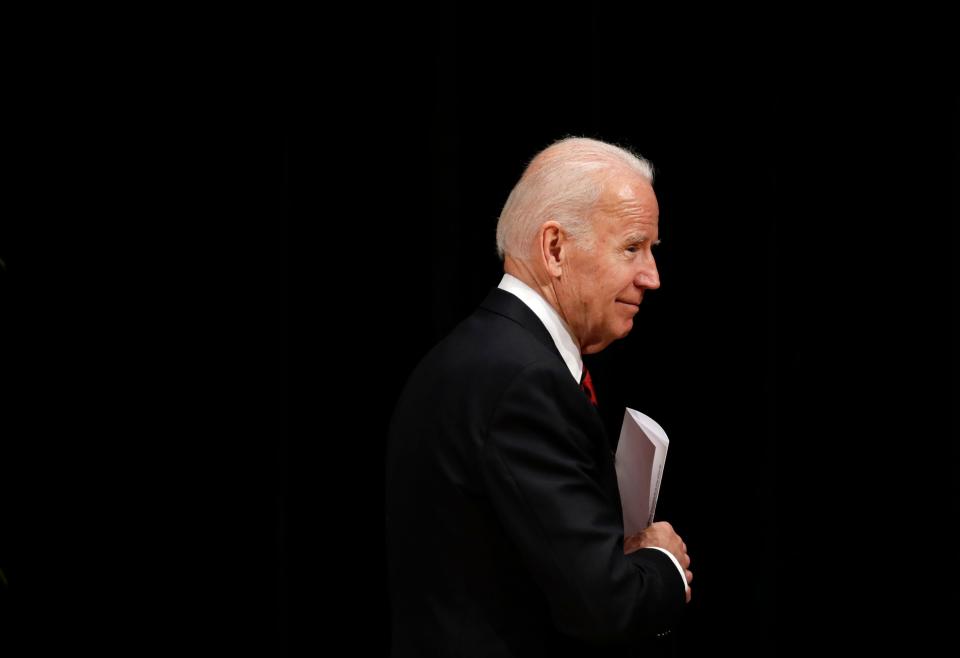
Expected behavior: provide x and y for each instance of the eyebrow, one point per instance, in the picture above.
(635, 238)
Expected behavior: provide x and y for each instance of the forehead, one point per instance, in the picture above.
(629, 202)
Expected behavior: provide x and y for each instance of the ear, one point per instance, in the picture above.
(553, 247)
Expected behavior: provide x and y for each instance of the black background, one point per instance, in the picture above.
(145, 422)
(161, 489)
(799, 352)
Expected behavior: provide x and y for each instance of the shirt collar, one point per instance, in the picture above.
(558, 329)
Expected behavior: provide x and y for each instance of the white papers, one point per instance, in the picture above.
(640, 456)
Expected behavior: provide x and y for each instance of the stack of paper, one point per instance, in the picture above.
(640, 456)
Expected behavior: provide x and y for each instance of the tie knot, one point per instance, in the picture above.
(586, 385)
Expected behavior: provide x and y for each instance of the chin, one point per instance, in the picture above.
(613, 336)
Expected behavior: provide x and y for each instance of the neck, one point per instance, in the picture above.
(542, 284)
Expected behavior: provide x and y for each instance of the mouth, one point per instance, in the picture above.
(635, 305)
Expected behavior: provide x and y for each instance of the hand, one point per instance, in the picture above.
(662, 535)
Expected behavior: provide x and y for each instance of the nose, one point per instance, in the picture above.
(647, 277)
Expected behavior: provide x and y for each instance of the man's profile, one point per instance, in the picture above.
(503, 517)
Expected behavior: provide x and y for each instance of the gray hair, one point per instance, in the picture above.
(563, 183)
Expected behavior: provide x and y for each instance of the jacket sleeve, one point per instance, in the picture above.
(541, 468)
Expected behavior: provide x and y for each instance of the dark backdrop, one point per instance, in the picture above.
(798, 352)
(143, 419)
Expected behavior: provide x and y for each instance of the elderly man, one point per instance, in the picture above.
(504, 524)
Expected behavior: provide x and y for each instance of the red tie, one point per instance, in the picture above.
(586, 384)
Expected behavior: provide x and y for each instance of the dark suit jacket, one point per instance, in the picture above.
(503, 518)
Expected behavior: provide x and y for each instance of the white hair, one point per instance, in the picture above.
(563, 183)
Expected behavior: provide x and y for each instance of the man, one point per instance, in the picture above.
(504, 523)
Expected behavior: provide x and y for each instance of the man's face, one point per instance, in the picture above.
(601, 288)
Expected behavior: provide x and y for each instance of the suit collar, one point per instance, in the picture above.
(562, 337)
(509, 306)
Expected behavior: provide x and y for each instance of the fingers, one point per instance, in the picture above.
(689, 575)
(664, 524)
(688, 595)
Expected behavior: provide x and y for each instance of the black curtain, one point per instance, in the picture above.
(799, 352)
(144, 436)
